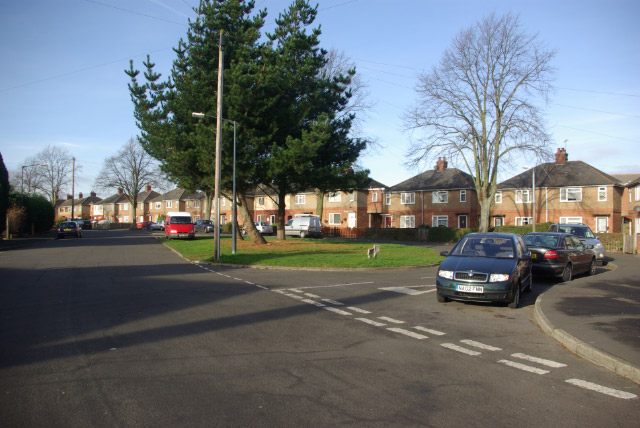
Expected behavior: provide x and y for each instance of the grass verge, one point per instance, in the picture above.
(306, 253)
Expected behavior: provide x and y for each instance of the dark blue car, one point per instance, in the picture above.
(487, 267)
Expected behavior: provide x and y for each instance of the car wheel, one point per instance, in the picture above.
(302, 234)
(441, 298)
(592, 267)
(566, 273)
(516, 298)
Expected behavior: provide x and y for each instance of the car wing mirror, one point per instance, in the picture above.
(588, 246)
(444, 253)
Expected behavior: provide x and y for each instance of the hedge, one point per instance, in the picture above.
(521, 230)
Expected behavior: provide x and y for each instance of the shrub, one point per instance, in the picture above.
(448, 234)
(521, 230)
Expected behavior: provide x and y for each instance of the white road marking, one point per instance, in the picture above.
(368, 321)
(238, 279)
(480, 345)
(455, 347)
(602, 389)
(294, 296)
(261, 286)
(333, 302)
(523, 367)
(336, 310)
(407, 333)
(295, 290)
(313, 302)
(361, 311)
(542, 361)
(313, 296)
(405, 290)
(249, 282)
(280, 291)
(428, 277)
(428, 330)
(335, 285)
(392, 320)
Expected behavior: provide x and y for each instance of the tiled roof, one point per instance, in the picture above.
(113, 199)
(627, 179)
(81, 201)
(450, 178)
(573, 173)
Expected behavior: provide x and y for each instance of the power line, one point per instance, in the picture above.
(137, 13)
(597, 111)
(599, 92)
(337, 5)
(595, 133)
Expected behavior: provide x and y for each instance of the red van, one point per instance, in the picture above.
(179, 225)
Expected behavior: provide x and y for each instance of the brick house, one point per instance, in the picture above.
(108, 208)
(630, 203)
(176, 200)
(440, 197)
(81, 206)
(566, 192)
(375, 192)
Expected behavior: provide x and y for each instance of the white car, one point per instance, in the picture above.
(303, 226)
(264, 228)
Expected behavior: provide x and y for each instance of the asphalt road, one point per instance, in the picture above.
(115, 330)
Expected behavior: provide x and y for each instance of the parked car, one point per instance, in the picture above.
(584, 234)
(303, 226)
(69, 228)
(179, 225)
(486, 267)
(157, 226)
(560, 255)
(142, 224)
(205, 226)
(264, 228)
(84, 224)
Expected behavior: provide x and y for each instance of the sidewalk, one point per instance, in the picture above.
(12, 244)
(598, 317)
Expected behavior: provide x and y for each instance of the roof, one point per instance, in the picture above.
(80, 201)
(573, 173)
(627, 179)
(113, 199)
(450, 178)
(373, 184)
(147, 196)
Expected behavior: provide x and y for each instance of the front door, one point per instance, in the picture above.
(387, 221)
(462, 221)
(351, 220)
(601, 225)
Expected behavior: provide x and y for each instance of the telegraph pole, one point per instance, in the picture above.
(73, 184)
(216, 251)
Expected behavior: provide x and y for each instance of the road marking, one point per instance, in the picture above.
(457, 348)
(361, 311)
(280, 291)
(523, 367)
(405, 290)
(407, 333)
(625, 300)
(313, 302)
(542, 361)
(333, 302)
(336, 310)
(368, 321)
(428, 330)
(313, 296)
(249, 282)
(392, 320)
(336, 285)
(294, 296)
(261, 286)
(480, 345)
(295, 290)
(602, 389)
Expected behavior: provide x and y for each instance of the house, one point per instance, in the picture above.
(81, 206)
(565, 192)
(376, 192)
(630, 203)
(143, 212)
(440, 197)
(176, 200)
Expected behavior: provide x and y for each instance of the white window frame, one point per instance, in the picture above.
(523, 221)
(407, 222)
(387, 198)
(606, 226)
(520, 196)
(466, 220)
(637, 226)
(408, 198)
(352, 196)
(571, 220)
(637, 193)
(495, 221)
(301, 199)
(564, 194)
(272, 219)
(333, 221)
(260, 202)
(440, 197)
(334, 197)
(196, 217)
(463, 196)
(125, 219)
(498, 197)
(435, 220)
(158, 205)
(259, 217)
(374, 197)
(169, 204)
(602, 194)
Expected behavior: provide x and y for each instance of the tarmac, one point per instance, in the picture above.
(595, 317)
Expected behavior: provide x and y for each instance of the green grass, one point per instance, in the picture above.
(295, 252)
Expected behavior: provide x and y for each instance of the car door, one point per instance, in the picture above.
(524, 262)
(583, 256)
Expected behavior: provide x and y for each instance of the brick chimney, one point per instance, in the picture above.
(80, 195)
(148, 188)
(441, 165)
(93, 194)
(69, 197)
(561, 156)
(120, 191)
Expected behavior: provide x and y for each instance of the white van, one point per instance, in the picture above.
(303, 226)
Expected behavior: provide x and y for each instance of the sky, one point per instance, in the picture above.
(62, 81)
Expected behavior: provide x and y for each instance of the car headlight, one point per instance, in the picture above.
(499, 277)
(446, 274)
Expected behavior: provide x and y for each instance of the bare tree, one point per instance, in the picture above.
(131, 169)
(56, 175)
(478, 106)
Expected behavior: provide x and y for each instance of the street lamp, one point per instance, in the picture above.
(533, 193)
(234, 219)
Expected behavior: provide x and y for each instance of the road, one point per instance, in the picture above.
(115, 330)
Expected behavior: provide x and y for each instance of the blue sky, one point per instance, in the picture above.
(62, 79)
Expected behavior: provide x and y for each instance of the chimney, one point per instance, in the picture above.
(93, 194)
(120, 191)
(148, 187)
(80, 195)
(69, 197)
(561, 156)
(441, 165)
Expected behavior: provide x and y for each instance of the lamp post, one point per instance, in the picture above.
(234, 218)
(533, 193)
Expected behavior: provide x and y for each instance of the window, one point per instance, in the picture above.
(196, 217)
(498, 221)
(440, 220)
(408, 198)
(571, 220)
(352, 196)
(223, 203)
(571, 194)
(334, 219)
(387, 198)
(374, 197)
(334, 197)
(602, 224)
(158, 205)
(126, 219)
(169, 204)
(188, 204)
(272, 219)
(261, 201)
(407, 221)
(637, 193)
(463, 196)
(521, 221)
(301, 199)
(259, 217)
(498, 197)
(523, 196)
(602, 194)
(441, 197)
(125, 207)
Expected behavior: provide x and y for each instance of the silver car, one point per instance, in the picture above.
(584, 234)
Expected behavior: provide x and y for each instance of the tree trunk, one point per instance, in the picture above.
(208, 200)
(281, 220)
(247, 221)
(485, 213)
(319, 203)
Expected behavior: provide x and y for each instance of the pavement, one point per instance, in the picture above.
(596, 317)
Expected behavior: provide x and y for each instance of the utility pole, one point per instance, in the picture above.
(73, 184)
(216, 251)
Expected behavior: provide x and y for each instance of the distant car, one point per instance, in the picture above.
(205, 226)
(303, 226)
(141, 224)
(69, 228)
(84, 224)
(560, 255)
(263, 227)
(486, 267)
(584, 234)
(156, 226)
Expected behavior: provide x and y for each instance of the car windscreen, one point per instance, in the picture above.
(484, 247)
(548, 241)
(180, 220)
(67, 225)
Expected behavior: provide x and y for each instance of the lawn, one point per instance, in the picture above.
(295, 252)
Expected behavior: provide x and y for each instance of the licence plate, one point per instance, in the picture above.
(183, 235)
(67, 230)
(534, 256)
(470, 288)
